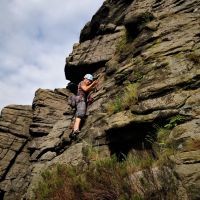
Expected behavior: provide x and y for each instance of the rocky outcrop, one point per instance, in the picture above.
(48, 121)
(153, 45)
(159, 50)
(14, 135)
(98, 40)
(91, 55)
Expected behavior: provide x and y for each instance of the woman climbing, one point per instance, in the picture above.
(84, 88)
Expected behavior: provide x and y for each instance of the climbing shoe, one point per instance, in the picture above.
(74, 134)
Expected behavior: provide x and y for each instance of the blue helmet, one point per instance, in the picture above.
(89, 77)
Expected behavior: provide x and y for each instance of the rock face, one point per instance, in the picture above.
(14, 135)
(154, 45)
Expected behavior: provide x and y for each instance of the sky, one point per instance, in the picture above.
(36, 36)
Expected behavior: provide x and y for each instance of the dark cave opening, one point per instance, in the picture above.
(141, 136)
(136, 136)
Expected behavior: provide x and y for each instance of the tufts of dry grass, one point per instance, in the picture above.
(123, 102)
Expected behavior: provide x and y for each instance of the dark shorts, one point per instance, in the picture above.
(80, 108)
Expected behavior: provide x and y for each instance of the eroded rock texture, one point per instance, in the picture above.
(14, 164)
(152, 44)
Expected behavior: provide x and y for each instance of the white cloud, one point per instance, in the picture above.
(35, 38)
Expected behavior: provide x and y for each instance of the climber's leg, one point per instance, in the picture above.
(77, 124)
(80, 113)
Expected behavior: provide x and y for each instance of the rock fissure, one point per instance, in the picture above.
(12, 161)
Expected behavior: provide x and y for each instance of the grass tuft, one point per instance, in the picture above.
(123, 102)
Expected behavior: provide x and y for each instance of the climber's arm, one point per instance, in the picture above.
(88, 88)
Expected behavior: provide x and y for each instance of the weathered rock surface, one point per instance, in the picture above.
(152, 44)
(156, 180)
(48, 108)
(160, 52)
(73, 156)
(187, 136)
(15, 121)
(91, 55)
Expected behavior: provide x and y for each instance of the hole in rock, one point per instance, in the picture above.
(140, 137)
(131, 137)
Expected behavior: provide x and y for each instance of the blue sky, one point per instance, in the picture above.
(35, 38)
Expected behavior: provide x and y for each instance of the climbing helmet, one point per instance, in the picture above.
(89, 77)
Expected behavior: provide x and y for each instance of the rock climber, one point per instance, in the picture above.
(84, 88)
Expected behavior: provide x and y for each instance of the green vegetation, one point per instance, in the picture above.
(123, 41)
(123, 102)
(104, 179)
(174, 121)
(107, 178)
(162, 145)
(136, 76)
(115, 106)
(124, 47)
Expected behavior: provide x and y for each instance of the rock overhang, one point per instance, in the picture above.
(89, 56)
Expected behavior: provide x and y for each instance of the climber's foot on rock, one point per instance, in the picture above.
(74, 134)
